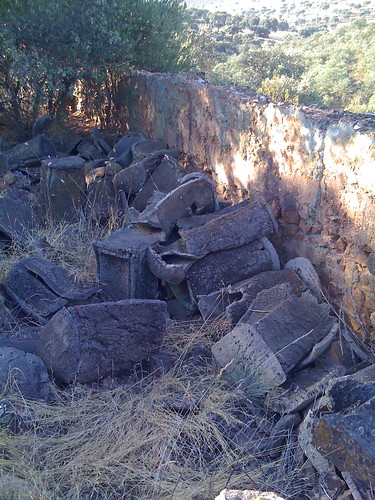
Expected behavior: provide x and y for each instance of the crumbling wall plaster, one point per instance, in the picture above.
(315, 169)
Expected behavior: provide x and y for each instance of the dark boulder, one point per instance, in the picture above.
(260, 356)
(63, 138)
(142, 149)
(85, 343)
(346, 437)
(23, 372)
(31, 152)
(63, 186)
(122, 266)
(195, 195)
(164, 178)
(232, 229)
(16, 220)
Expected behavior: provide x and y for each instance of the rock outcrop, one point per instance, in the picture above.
(315, 168)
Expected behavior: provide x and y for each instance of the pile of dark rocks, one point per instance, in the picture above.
(178, 253)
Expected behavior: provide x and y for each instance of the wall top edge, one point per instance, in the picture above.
(360, 122)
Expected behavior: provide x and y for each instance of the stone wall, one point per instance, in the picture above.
(315, 168)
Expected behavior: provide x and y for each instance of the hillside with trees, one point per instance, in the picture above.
(325, 65)
(310, 53)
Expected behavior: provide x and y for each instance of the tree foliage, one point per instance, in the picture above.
(334, 68)
(340, 66)
(46, 46)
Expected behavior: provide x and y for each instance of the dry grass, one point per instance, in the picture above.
(69, 246)
(155, 438)
(151, 438)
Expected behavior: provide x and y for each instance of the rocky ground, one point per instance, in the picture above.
(157, 349)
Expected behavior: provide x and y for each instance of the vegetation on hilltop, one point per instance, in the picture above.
(314, 65)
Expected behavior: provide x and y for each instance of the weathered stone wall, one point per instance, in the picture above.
(315, 168)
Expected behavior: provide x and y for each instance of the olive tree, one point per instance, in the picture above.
(47, 46)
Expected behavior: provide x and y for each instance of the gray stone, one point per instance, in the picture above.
(245, 359)
(237, 299)
(195, 196)
(99, 141)
(32, 296)
(213, 305)
(354, 488)
(63, 186)
(102, 168)
(337, 354)
(122, 266)
(112, 168)
(64, 139)
(307, 273)
(305, 437)
(16, 220)
(250, 439)
(144, 148)
(265, 302)
(24, 372)
(178, 311)
(259, 356)
(58, 279)
(32, 172)
(233, 229)
(151, 162)
(164, 178)
(257, 412)
(84, 343)
(4, 165)
(4, 145)
(130, 180)
(169, 263)
(122, 149)
(23, 342)
(160, 364)
(41, 288)
(358, 347)
(183, 295)
(366, 374)
(220, 269)
(100, 162)
(6, 318)
(147, 221)
(320, 347)
(87, 150)
(347, 440)
(242, 294)
(31, 151)
(301, 389)
(100, 203)
(199, 355)
(20, 194)
(194, 221)
(348, 392)
(330, 485)
(370, 263)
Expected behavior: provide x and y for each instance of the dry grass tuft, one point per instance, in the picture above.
(164, 438)
(68, 245)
